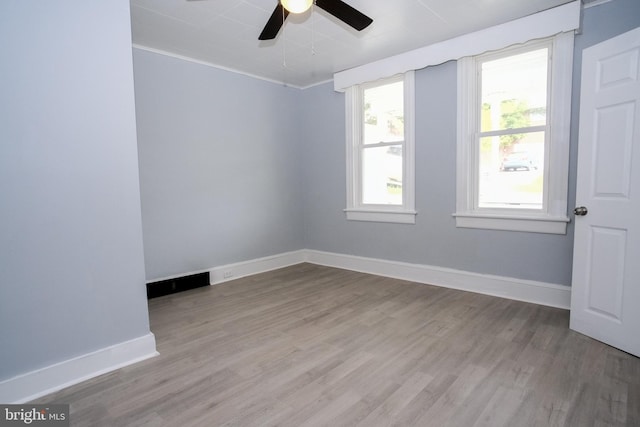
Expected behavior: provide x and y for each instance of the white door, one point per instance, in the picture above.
(605, 293)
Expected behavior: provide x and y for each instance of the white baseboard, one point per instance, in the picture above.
(236, 270)
(224, 273)
(35, 384)
(542, 293)
(505, 287)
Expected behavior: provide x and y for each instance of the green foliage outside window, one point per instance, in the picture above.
(514, 114)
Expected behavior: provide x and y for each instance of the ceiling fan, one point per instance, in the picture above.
(337, 8)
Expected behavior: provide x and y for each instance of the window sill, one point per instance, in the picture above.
(527, 223)
(380, 215)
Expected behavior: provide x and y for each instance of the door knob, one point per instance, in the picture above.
(580, 211)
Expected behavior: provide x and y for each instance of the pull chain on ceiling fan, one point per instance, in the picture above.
(337, 8)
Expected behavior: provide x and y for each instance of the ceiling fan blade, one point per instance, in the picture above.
(274, 23)
(345, 13)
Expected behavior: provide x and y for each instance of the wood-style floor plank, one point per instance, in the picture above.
(309, 345)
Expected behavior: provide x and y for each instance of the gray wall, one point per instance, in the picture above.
(71, 256)
(434, 239)
(219, 165)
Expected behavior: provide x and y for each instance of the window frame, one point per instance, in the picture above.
(552, 218)
(357, 210)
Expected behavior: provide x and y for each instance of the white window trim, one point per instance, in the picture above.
(356, 210)
(553, 219)
(539, 25)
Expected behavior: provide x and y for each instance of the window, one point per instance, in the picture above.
(380, 147)
(513, 137)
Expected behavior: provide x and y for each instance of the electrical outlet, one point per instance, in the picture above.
(227, 274)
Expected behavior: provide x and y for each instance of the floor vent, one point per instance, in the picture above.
(177, 284)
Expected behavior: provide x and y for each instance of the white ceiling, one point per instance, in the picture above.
(312, 46)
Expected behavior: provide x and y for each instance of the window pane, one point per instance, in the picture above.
(382, 175)
(384, 114)
(514, 91)
(513, 178)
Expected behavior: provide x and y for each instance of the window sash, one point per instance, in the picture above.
(553, 217)
(356, 208)
(544, 209)
(363, 146)
(479, 61)
(509, 131)
(381, 144)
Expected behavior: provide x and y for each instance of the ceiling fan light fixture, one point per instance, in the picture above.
(296, 6)
(339, 9)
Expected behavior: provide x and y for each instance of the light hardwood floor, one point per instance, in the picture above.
(310, 345)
